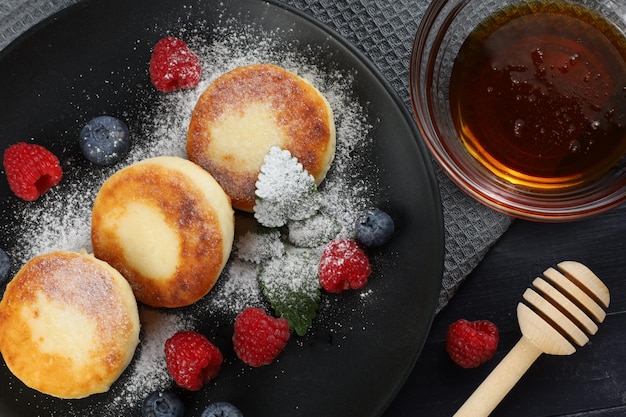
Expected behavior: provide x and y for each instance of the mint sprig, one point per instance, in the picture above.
(284, 190)
(291, 286)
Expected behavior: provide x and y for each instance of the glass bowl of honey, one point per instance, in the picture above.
(523, 103)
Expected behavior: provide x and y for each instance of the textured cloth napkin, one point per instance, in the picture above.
(383, 30)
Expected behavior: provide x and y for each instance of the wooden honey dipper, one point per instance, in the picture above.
(561, 309)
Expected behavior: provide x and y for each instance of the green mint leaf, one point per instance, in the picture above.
(291, 285)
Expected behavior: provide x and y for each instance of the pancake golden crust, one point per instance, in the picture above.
(69, 325)
(245, 112)
(167, 226)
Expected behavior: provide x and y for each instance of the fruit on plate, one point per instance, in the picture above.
(162, 404)
(373, 228)
(258, 337)
(105, 140)
(221, 409)
(31, 170)
(173, 66)
(192, 359)
(5, 267)
(343, 265)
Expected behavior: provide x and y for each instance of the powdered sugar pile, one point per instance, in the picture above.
(60, 220)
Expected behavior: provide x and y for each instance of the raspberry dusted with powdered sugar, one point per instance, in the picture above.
(344, 265)
(173, 66)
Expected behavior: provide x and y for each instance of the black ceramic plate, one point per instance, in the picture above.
(91, 59)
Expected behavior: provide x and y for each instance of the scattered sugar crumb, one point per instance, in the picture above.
(313, 232)
(257, 247)
(237, 288)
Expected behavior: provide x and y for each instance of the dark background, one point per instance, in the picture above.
(591, 382)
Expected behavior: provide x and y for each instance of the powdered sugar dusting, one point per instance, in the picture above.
(284, 191)
(148, 372)
(257, 247)
(237, 289)
(61, 219)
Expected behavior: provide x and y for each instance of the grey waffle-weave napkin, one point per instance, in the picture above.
(384, 31)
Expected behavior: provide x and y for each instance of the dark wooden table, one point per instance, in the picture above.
(591, 382)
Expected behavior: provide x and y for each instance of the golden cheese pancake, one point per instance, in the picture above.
(69, 324)
(167, 226)
(245, 112)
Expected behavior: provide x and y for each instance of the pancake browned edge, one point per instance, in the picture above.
(69, 324)
(167, 226)
(245, 112)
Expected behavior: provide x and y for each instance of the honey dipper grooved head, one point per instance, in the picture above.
(563, 307)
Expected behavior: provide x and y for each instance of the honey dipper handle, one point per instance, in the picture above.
(500, 381)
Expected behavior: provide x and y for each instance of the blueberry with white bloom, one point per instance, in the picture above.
(373, 228)
(162, 404)
(5, 266)
(221, 409)
(105, 140)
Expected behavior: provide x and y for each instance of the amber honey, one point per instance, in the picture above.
(538, 94)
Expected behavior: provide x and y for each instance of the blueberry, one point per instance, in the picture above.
(221, 409)
(373, 228)
(105, 140)
(162, 404)
(5, 266)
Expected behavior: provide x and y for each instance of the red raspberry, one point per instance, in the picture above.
(259, 338)
(470, 344)
(192, 359)
(343, 265)
(173, 66)
(31, 170)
